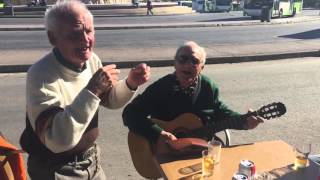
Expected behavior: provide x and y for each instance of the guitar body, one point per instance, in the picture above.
(143, 153)
(186, 121)
(142, 156)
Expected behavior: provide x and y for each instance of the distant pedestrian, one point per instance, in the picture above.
(149, 8)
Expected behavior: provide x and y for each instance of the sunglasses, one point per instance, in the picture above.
(183, 59)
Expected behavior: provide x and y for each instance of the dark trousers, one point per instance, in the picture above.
(88, 169)
(149, 12)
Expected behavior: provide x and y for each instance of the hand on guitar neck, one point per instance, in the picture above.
(253, 120)
(273, 110)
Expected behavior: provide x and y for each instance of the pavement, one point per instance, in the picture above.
(226, 53)
(160, 8)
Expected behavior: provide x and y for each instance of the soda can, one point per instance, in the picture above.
(248, 168)
(240, 176)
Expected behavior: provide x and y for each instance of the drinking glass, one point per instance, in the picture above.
(302, 152)
(214, 148)
(207, 164)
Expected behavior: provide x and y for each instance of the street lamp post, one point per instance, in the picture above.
(8, 8)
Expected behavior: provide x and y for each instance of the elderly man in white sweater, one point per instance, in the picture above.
(64, 91)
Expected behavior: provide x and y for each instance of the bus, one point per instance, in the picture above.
(217, 5)
(223, 5)
(279, 8)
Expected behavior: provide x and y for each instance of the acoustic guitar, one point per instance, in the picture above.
(194, 134)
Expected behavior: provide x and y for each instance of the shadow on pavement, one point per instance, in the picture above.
(228, 19)
(313, 34)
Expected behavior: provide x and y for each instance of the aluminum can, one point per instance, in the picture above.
(248, 168)
(240, 176)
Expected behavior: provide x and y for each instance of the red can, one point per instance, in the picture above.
(248, 168)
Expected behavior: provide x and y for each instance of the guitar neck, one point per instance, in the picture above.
(232, 123)
(269, 111)
(254, 113)
(210, 129)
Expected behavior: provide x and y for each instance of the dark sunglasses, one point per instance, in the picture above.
(183, 59)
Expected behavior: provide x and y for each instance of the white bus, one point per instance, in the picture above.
(279, 8)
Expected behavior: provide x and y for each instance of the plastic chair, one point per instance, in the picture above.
(11, 161)
(224, 137)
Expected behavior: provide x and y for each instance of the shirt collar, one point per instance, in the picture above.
(190, 90)
(67, 64)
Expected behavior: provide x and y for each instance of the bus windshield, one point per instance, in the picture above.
(252, 4)
(223, 2)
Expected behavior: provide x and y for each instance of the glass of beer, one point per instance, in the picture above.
(214, 147)
(301, 151)
(207, 164)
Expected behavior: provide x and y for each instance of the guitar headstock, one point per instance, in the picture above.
(273, 110)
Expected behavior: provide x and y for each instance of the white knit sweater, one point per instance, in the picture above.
(50, 84)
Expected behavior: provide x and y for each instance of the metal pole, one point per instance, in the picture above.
(8, 8)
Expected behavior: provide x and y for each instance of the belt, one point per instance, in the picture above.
(78, 157)
(86, 154)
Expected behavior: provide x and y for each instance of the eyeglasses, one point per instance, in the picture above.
(183, 59)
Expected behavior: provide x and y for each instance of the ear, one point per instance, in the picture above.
(51, 38)
(175, 64)
(202, 66)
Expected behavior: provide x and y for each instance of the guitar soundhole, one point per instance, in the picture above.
(181, 134)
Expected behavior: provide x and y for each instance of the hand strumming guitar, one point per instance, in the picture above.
(161, 145)
(167, 142)
(167, 136)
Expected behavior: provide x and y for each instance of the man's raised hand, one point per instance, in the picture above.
(103, 80)
(138, 76)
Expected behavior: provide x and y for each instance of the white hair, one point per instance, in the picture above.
(60, 11)
(198, 49)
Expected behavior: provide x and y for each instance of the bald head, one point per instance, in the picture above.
(64, 11)
(193, 49)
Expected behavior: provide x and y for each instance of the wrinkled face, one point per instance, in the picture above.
(188, 65)
(75, 37)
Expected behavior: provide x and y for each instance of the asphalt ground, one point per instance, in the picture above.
(226, 53)
(295, 82)
(222, 54)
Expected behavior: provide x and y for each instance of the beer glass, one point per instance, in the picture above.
(302, 152)
(214, 148)
(207, 164)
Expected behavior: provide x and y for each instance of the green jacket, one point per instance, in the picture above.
(162, 100)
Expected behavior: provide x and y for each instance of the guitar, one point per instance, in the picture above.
(195, 134)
